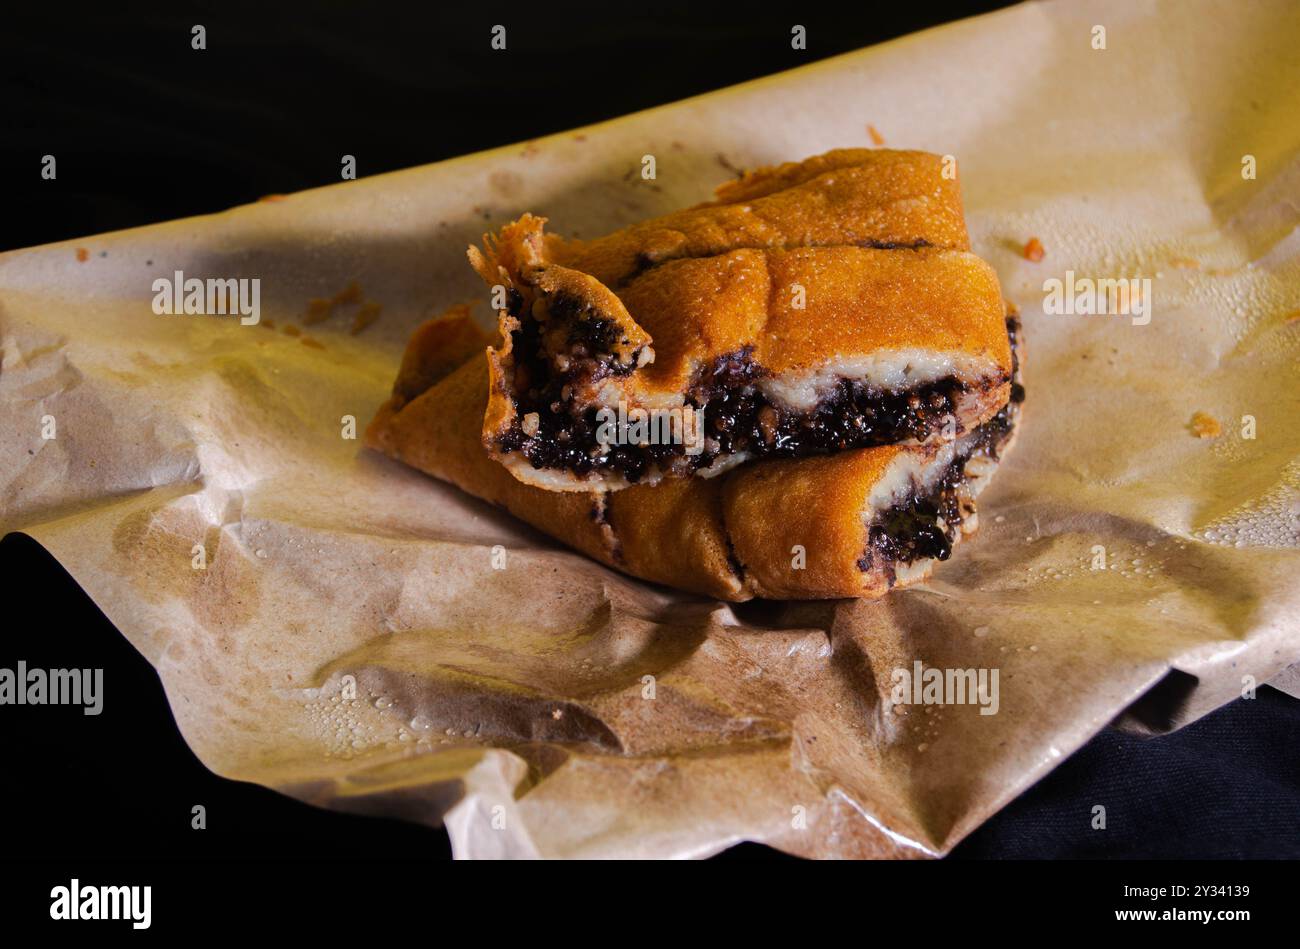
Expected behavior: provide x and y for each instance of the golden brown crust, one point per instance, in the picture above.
(854, 302)
(515, 251)
(438, 347)
(674, 534)
(499, 411)
(851, 196)
(922, 168)
(824, 500)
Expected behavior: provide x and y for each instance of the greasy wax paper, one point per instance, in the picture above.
(539, 704)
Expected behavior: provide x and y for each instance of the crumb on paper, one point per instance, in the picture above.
(268, 324)
(291, 330)
(579, 137)
(318, 310)
(349, 294)
(313, 343)
(271, 198)
(1205, 426)
(83, 255)
(876, 137)
(368, 313)
(1292, 317)
(1034, 250)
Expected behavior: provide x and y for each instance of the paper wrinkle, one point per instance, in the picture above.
(554, 708)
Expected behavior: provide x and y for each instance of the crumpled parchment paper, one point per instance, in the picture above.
(554, 708)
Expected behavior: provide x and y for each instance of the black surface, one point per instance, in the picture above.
(145, 129)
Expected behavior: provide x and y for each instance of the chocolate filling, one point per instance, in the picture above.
(737, 417)
(911, 529)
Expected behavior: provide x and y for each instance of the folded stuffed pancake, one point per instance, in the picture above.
(853, 524)
(815, 308)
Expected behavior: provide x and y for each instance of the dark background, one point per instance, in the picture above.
(145, 129)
